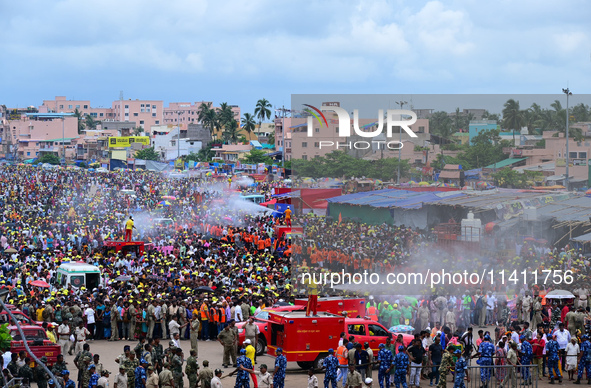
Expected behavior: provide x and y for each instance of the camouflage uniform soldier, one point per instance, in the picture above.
(130, 364)
(83, 372)
(40, 375)
(191, 369)
(169, 352)
(447, 362)
(25, 371)
(157, 354)
(59, 366)
(177, 368)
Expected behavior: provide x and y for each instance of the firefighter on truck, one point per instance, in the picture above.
(312, 306)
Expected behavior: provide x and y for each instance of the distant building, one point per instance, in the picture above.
(477, 126)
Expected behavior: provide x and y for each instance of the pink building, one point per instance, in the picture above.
(185, 113)
(37, 134)
(144, 112)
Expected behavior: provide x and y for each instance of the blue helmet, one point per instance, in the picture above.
(242, 351)
(457, 351)
(381, 346)
(279, 350)
(143, 361)
(487, 337)
(331, 350)
(65, 372)
(401, 347)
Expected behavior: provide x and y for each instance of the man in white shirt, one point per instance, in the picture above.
(491, 304)
(265, 379)
(562, 336)
(63, 333)
(238, 314)
(312, 380)
(216, 382)
(89, 313)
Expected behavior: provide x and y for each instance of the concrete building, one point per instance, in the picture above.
(230, 153)
(62, 104)
(36, 134)
(145, 113)
(169, 147)
(185, 113)
(122, 128)
(477, 126)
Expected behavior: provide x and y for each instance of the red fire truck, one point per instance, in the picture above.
(335, 305)
(354, 307)
(306, 339)
(114, 247)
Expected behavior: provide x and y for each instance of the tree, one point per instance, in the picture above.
(440, 124)
(512, 117)
(262, 110)
(231, 132)
(90, 122)
(225, 114)
(147, 154)
(271, 138)
(257, 156)
(78, 116)
(248, 123)
(137, 131)
(5, 338)
(49, 158)
(205, 154)
(207, 116)
(507, 177)
(580, 113)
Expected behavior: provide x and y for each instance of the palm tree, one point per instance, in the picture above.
(207, 116)
(271, 138)
(248, 123)
(231, 132)
(90, 122)
(78, 115)
(512, 117)
(262, 111)
(225, 114)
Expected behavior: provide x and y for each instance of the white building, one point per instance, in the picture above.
(168, 148)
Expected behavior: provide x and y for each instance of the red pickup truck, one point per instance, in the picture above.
(38, 342)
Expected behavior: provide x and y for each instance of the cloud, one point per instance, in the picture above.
(240, 51)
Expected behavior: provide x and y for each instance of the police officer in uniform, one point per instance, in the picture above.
(191, 368)
(402, 365)
(486, 352)
(584, 359)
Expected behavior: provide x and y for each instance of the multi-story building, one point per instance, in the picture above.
(185, 113)
(37, 133)
(144, 112)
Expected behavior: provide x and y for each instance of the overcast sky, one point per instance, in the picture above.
(241, 51)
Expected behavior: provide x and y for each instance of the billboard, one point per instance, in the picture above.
(125, 141)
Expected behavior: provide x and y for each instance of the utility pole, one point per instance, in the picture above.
(178, 124)
(63, 140)
(568, 93)
(401, 104)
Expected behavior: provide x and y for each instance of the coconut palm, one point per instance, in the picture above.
(248, 123)
(512, 117)
(231, 132)
(90, 122)
(79, 116)
(262, 110)
(207, 116)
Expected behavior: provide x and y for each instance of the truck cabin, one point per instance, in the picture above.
(255, 198)
(133, 248)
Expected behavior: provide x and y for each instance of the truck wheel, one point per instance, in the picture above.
(305, 364)
(318, 362)
(261, 345)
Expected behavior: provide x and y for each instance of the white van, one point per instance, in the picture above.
(78, 275)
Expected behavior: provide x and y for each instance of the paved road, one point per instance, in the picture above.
(208, 350)
(212, 351)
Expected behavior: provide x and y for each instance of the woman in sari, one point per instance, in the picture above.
(500, 360)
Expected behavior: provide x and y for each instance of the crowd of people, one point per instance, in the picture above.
(217, 261)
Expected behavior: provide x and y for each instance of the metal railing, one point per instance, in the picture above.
(489, 376)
